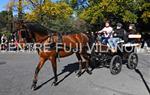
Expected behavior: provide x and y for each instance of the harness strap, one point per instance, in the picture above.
(40, 41)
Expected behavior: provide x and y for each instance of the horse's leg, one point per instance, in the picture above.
(87, 66)
(54, 66)
(38, 68)
(87, 61)
(80, 64)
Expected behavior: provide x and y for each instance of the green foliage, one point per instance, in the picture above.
(122, 10)
(58, 16)
(5, 22)
(130, 17)
(3, 19)
(52, 10)
(51, 15)
(146, 12)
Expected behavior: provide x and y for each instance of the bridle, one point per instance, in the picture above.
(28, 32)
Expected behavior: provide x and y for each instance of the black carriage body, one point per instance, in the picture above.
(115, 60)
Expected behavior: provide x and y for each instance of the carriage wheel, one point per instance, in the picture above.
(115, 65)
(132, 61)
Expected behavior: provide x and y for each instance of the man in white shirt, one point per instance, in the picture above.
(3, 42)
(3, 39)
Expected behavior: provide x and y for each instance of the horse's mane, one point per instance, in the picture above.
(38, 28)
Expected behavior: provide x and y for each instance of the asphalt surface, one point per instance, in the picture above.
(17, 69)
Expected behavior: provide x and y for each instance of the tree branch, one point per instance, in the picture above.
(34, 5)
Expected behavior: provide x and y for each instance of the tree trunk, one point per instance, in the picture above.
(20, 9)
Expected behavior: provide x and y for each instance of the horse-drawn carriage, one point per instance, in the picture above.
(101, 55)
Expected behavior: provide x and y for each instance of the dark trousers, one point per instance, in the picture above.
(147, 42)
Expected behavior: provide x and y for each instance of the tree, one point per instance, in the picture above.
(4, 19)
(123, 10)
(50, 14)
(5, 25)
(146, 12)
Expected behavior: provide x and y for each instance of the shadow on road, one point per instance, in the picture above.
(2, 63)
(69, 68)
(141, 75)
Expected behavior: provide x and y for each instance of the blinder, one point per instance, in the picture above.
(25, 35)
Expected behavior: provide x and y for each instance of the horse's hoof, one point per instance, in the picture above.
(79, 74)
(89, 72)
(33, 87)
(54, 84)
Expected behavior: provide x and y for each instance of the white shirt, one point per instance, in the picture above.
(107, 31)
(3, 38)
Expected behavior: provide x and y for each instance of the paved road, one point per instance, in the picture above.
(16, 73)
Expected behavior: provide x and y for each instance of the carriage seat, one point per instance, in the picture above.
(134, 38)
(131, 45)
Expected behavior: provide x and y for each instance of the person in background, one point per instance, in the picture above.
(3, 42)
(3, 38)
(133, 35)
(0, 37)
(145, 39)
(107, 32)
(132, 29)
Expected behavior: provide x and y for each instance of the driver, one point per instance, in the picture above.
(107, 33)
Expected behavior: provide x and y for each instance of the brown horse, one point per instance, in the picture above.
(41, 35)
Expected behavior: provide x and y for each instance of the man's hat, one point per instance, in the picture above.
(119, 24)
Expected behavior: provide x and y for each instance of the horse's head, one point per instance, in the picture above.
(22, 31)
